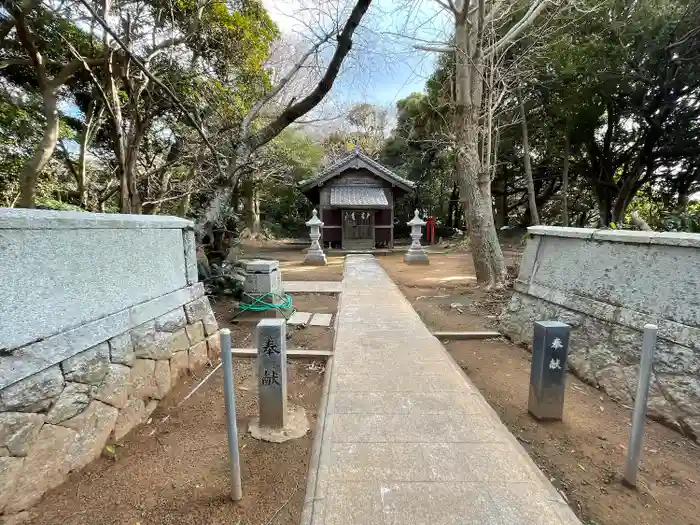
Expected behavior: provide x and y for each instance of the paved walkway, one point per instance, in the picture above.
(408, 440)
(312, 286)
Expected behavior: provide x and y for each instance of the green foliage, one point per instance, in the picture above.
(420, 149)
(234, 37)
(660, 218)
(284, 208)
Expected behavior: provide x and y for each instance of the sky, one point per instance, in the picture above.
(384, 66)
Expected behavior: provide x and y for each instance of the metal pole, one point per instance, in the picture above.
(230, 401)
(634, 447)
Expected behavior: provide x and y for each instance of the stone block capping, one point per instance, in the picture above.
(607, 284)
(104, 338)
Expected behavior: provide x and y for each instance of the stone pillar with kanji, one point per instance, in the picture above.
(550, 348)
(277, 420)
(416, 254)
(272, 372)
(315, 255)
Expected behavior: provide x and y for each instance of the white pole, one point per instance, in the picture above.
(230, 402)
(634, 447)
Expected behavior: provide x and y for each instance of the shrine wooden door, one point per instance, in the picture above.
(358, 229)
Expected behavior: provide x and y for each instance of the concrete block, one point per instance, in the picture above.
(81, 275)
(198, 356)
(195, 333)
(94, 425)
(115, 388)
(90, 366)
(190, 247)
(45, 467)
(72, 401)
(121, 350)
(35, 393)
(133, 413)
(321, 320)
(377, 461)
(558, 231)
(35, 357)
(299, 318)
(261, 266)
(18, 431)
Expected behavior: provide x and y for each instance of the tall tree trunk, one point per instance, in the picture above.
(452, 206)
(251, 205)
(154, 207)
(474, 186)
(583, 219)
(565, 183)
(531, 196)
(684, 183)
(118, 142)
(92, 121)
(604, 200)
(184, 207)
(501, 205)
(30, 172)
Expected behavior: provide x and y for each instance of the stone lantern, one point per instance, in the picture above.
(415, 253)
(315, 255)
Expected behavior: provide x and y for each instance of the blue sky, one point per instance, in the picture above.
(384, 66)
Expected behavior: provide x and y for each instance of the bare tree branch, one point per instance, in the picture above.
(294, 111)
(526, 21)
(272, 93)
(435, 49)
(156, 81)
(449, 6)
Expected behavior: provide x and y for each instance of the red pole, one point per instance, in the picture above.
(430, 230)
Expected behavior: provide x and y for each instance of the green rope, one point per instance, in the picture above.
(259, 305)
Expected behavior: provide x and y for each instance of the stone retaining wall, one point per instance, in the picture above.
(607, 285)
(96, 353)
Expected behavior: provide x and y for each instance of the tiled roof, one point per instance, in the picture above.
(372, 164)
(358, 196)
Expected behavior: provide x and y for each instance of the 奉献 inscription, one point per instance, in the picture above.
(272, 372)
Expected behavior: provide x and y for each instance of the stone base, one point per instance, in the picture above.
(297, 426)
(416, 257)
(547, 405)
(315, 259)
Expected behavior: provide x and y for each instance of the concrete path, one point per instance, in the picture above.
(407, 439)
(312, 286)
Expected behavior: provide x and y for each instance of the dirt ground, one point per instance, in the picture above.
(582, 455)
(445, 293)
(304, 337)
(174, 469)
(291, 258)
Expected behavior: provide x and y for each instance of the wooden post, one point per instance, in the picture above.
(320, 213)
(391, 221)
